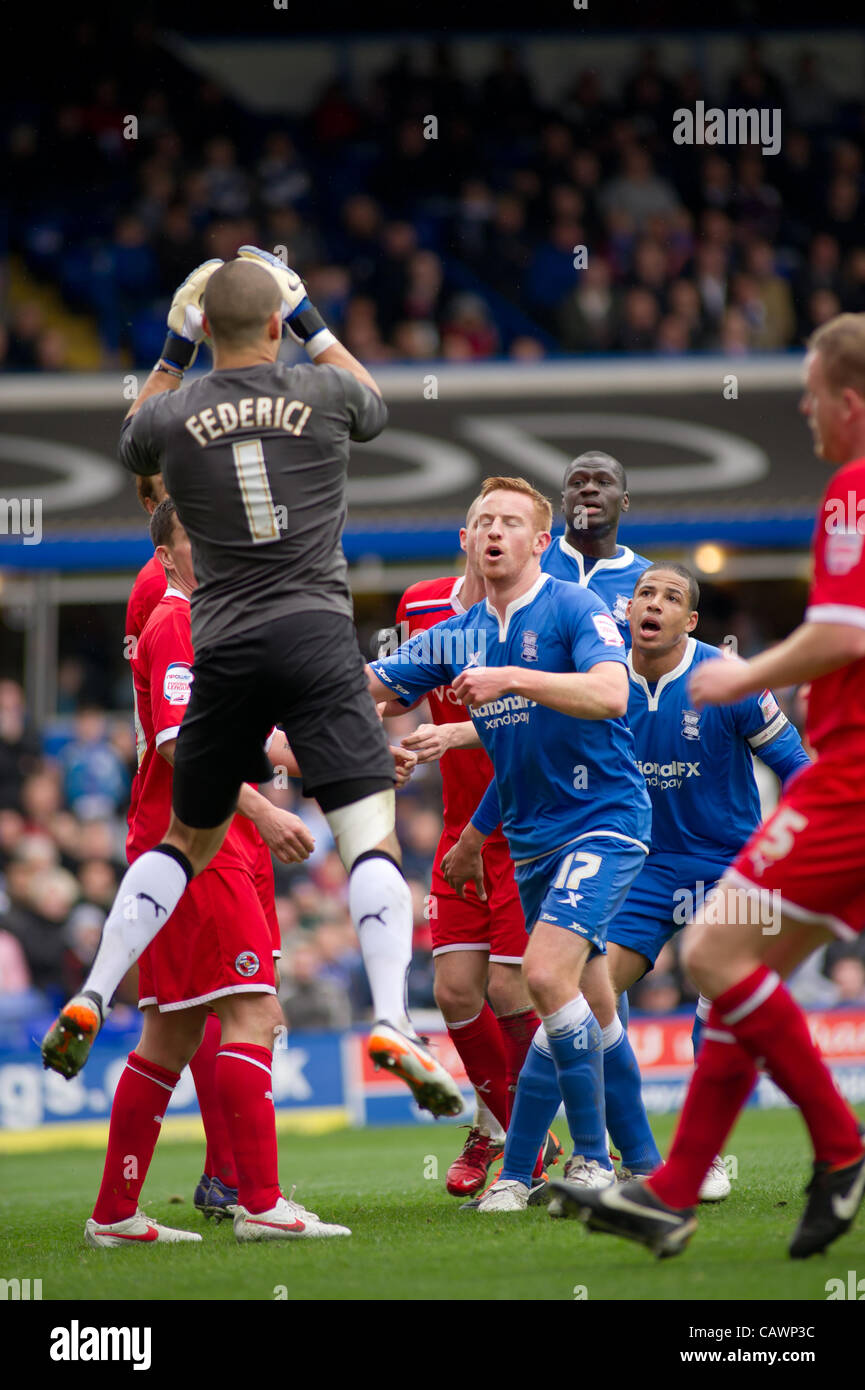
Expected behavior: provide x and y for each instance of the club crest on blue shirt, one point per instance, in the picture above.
(620, 608)
(690, 724)
(530, 646)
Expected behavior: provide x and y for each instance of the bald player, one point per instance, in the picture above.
(255, 456)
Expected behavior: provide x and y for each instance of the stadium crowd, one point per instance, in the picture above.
(63, 797)
(461, 246)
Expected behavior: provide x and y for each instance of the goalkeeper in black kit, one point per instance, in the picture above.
(255, 456)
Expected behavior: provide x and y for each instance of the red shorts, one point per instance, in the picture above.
(497, 926)
(811, 850)
(265, 890)
(217, 941)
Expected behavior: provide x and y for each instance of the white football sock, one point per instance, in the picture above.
(149, 892)
(486, 1121)
(379, 900)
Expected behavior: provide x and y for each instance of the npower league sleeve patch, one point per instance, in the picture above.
(607, 630)
(178, 683)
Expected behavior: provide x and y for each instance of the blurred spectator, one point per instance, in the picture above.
(524, 349)
(41, 798)
(853, 281)
(811, 103)
(639, 322)
(658, 993)
(282, 178)
(40, 906)
(847, 974)
(756, 203)
(468, 321)
(14, 974)
(311, 1001)
(25, 329)
(94, 778)
(638, 190)
(588, 316)
(20, 745)
(773, 293)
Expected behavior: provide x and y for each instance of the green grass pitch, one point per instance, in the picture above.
(410, 1239)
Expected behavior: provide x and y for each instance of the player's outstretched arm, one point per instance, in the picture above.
(283, 832)
(812, 650)
(599, 693)
(431, 741)
(338, 356)
(464, 863)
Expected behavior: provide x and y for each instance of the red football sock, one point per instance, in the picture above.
(219, 1158)
(772, 1029)
(143, 1092)
(480, 1044)
(517, 1032)
(243, 1082)
(723, 1077)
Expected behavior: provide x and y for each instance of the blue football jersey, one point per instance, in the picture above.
(614, 579)
(557, 777)
(698, 766)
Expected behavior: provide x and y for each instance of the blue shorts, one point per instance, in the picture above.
(581, 886)
(663, 899)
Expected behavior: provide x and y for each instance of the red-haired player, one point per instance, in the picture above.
(478, 944)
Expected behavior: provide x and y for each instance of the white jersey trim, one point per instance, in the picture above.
(613, 562)
(455, 601)
(171, 592)
(206, 998)
(845, 613)
(462, 946)
(667, 678)
(586, 835)
(517, 604)
(165, 735)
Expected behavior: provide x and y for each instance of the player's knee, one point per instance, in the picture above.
(252, 1018)
(506, 988)
(459, 1000)
(365, 826)
(700, 949)
(544, 985)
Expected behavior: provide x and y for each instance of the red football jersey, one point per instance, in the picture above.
(466, 772)
(147, 590)
(836, 706)
(162, 673)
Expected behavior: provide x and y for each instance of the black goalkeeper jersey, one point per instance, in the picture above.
(255, 459)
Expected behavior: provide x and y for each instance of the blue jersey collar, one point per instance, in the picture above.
(667, 678)
(614, 562)
(516, 605)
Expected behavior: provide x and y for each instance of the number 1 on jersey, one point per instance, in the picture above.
(254, 483)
